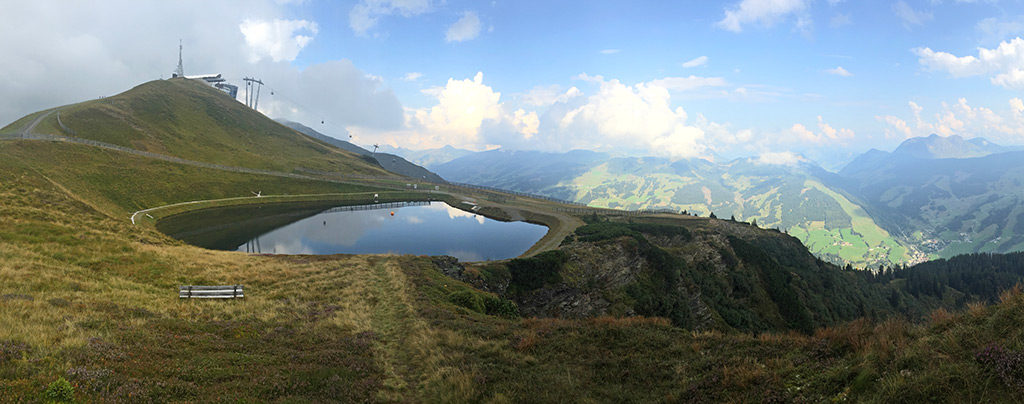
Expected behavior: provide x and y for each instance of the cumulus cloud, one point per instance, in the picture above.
(543, 96)
(697, 61)
(959, 118)
(412, 76)
(466, 28)
(1017, 106)
(638, 117)
(839, 71)
(764, 12)
(468, 113)
(826, 133)
(909, 16)
(1004, 64)
(367, 13)
(526, 123)
(279, 40)
(463, 106)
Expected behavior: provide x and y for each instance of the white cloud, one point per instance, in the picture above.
(698, 61)
(1004, 64)
(688, 83)
(1017, 106)
(839, 71)
(526, 123)
(636, 117)
(543, 96)
(826, 133)
(779, 158)
(909, 16)
(412, 76)
(466, 28)
(468, 114)
(996, 29)
(764, 12)
(463, 106)
(367, 13)
(898, 128)
(279, 40)
(960, 118)
(609, 51)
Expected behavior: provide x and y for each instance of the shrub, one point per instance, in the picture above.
(468, 299)
(60, 391)
(497, 306)
(533, 273)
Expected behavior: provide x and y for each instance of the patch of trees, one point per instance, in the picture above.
(980, 276)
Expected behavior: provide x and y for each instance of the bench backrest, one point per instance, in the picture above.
(210, 292)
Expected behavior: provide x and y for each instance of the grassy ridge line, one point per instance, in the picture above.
(26, 122)
(190, 120)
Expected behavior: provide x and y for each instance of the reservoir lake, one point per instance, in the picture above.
(420, 228)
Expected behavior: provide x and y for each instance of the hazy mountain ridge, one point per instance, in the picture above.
(933, 195)
(390, 162)
(947, 206)
(797, 198)
(429, 158)
(926, 148)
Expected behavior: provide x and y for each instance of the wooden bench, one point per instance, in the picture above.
(210, 292)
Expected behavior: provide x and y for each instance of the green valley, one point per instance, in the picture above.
(795, 199)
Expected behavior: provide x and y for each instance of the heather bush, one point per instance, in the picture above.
(1007, 364)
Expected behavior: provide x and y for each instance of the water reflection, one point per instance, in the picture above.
(432, 229)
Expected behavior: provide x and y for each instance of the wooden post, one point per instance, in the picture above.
(189, 291)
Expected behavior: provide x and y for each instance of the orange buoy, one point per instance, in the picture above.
(392, 213)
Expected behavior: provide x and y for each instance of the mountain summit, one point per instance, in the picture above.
(956, 147)
(925, 148)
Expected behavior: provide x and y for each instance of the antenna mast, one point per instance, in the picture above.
(180, 72)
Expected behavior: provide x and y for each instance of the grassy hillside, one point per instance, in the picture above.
(190, 120)
(89, 298)
(89, 309)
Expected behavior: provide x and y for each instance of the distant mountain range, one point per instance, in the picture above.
(429, 157)
(945, 195)
(393, 163)
(931, 197)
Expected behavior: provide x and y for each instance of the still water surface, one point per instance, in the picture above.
(428, 229)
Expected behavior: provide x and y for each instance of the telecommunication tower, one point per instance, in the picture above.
(180, 71)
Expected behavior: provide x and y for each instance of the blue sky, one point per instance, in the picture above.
(786, 61)
(825, 79)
